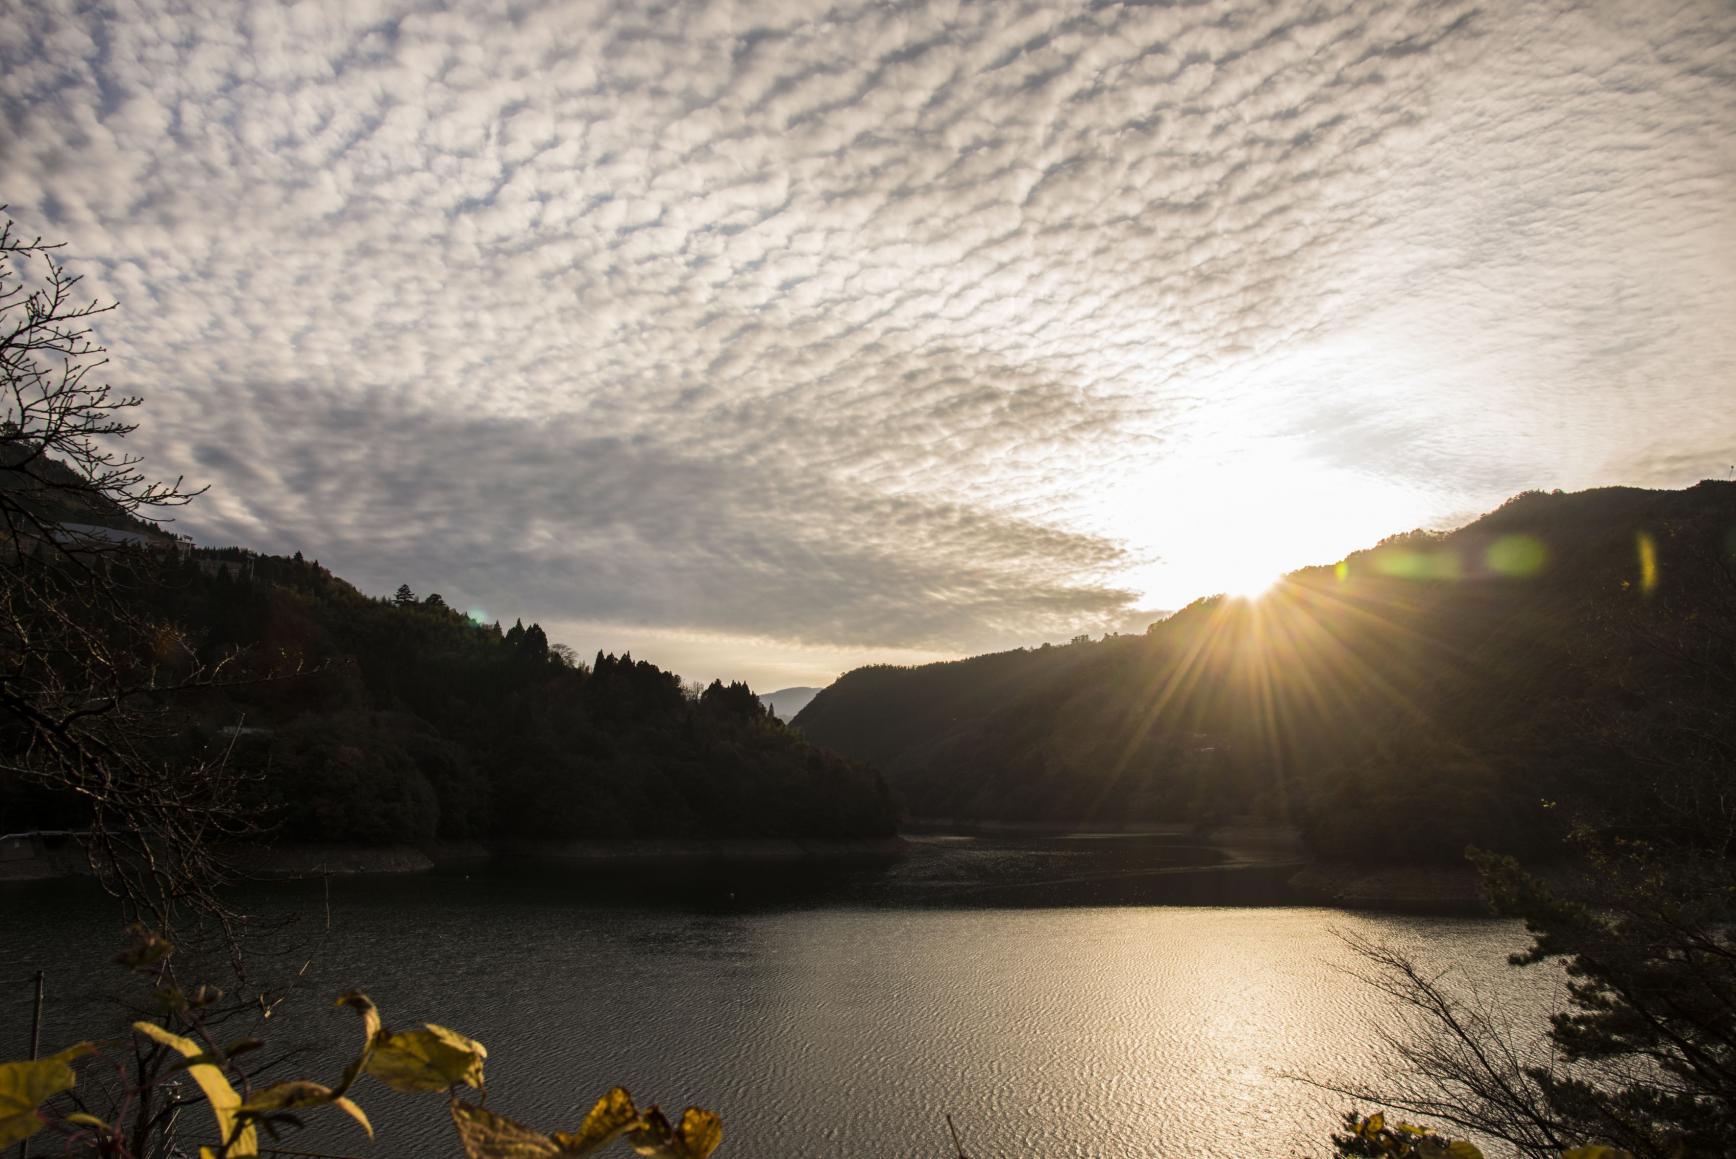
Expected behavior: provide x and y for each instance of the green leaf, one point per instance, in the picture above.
(222, 1097)
(612, 1114)
(24, 1086)
(486, 1135)
(431, 1058)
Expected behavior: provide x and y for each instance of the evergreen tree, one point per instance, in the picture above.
(405, 597)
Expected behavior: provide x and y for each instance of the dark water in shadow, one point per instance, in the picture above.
(842, 1011)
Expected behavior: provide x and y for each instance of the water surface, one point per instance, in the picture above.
(844, 1014)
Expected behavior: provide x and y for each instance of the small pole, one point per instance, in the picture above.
(35, 1049)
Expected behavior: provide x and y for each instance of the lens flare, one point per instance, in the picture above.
(1407, 563)
(1648, 563)
(1517, 556)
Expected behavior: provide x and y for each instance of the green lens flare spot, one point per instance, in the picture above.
(1404, 563)
(1517, 556)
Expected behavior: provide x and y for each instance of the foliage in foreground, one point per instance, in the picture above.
(429, 1059)
(1372, 1137)
(1644, 1057)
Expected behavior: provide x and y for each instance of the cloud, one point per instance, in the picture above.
(825, 323)
(520, 513)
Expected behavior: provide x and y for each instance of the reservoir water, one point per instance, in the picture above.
(826, 1014)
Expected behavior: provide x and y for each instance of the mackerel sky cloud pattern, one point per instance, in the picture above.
(796, 331)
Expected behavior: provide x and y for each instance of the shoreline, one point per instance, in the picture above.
(291, 862)
(1424, 889)
(1259, 867)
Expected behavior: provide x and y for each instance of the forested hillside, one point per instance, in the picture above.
(1565, 658)
(370, 721)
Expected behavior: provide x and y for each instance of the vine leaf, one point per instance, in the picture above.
(613, 1114)
(428, 1058)
(486, 1135)
(26, 1085)
(222, 1097)
(699, 1135)
(296, 1095)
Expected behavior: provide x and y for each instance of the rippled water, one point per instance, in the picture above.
(845, 1024)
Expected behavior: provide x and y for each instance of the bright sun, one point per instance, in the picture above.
(1236, 522)
(1251, 586)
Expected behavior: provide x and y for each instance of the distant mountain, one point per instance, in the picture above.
(1563, 656)
(785, 703)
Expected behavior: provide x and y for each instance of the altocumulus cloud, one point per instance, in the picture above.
(823, 323)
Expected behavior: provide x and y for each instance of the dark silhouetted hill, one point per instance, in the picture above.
(1564, 657)
(369, 721)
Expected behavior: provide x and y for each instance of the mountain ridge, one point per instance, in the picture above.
(1472, 675)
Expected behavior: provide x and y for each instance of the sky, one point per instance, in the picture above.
(769, 339)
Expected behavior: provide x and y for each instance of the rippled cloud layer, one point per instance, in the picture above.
(925, 327)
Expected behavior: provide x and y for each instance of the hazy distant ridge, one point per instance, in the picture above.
(787, 702)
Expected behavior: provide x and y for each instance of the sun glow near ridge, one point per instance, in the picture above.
(1233, 520)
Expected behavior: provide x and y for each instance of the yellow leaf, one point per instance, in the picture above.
(286, 1096)
(612, 1114)
(1459, 1149)
(26, 1085)
(653, 1137)
(348, 1107)
(701, 1132)
(298, 1094)
(1596, 1151)
(486, 1135)
(222, 1097)
(369, 1012)
(431, 1058)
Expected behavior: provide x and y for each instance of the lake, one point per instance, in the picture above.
(828, 1012)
